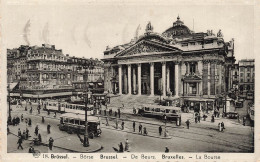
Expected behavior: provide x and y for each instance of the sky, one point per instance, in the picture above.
(84, 30)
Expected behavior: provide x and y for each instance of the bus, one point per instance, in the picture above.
(75, 123)
(172, 113)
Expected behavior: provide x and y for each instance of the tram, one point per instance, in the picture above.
(66, 107)
(158, 111)
(75, 123)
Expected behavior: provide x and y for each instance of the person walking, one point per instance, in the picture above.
(24, 135)
(115, 113)
(140, 128)
(196, 119)
(223, 126)
(126, 145)
(51, 143)
(20, 141)
(134, 126)
(212, 118)
(39, 138)
(48, 128)
(219, 127)
(54, 114)
(145, 131)
(116, 124)
(188, 123)
(244, 121)
(27, 133)
(160, 130)
(118, 110)
(123, 125)
(121, 147)
(166, 150)
(22, 118)
(134, 111)
(36, 130)
(30, 122)
(199, 118)
(19, 132)
(107, 121)
(42, 119)
(31, 149)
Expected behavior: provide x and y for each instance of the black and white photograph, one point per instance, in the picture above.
(128, 81)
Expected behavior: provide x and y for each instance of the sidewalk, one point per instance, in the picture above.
(61, 139)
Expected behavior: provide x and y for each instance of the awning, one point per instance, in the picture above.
(91, 84)
(100, 84)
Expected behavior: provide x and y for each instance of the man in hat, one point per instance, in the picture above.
(188, 123)
(134, 126)
(51, 143)
(160, 130)
(49, 128)
(166, 150)
(31, 149)
(140, 128)
(20, 141)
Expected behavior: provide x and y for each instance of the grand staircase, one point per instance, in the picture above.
(127, 102)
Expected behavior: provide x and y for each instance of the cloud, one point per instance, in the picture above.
(26, 32)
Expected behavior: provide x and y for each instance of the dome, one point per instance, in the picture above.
(177, 30)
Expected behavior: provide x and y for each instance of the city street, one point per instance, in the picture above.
(201, 137)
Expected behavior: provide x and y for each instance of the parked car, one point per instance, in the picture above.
(232, 115)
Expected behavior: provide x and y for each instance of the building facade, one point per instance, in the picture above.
(45, 68)
(178, 62)
(247, 78)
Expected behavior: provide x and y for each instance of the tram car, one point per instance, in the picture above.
(63, 107)
(75, 123)
(172, 113)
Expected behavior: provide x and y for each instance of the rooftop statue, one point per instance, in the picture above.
(219, 33)
(149, 27)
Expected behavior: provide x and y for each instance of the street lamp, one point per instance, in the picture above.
(87, 65)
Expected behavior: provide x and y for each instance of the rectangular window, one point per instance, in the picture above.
(248, 74)
(184, 44)
(192, 43)
(241, 74)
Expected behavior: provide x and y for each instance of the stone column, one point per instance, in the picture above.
(120, 79)
(167, 79)
(208, 78)
(152, 78)
(176, 79)
(164, 78)
(134, 80)
(129, 80)
(139, 79)
(220, 78)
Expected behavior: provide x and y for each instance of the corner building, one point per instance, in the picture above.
(178, 62)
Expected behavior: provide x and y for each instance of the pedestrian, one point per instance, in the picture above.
(115, 113)
(244, 121)
(22, 117)
(20, 141)
(198, 118)
(105, 112)
(36, 130)
(24, 135)
(19, 132)
(54, 114)
(42, 119)
(31, 149)
(48, 128)
(212, 118)
(116, 124)
(107, 121)
(51, 143)
(26, 121)
(126, 145)
(8, 130)
(134, 110)
(17, 120)
(219, 127)
(121, 147)
(166, 150)
(134, 126)
(48, 112)
(238, 118)
(140, 128)
(110, 112)
(39, 138)
(30, 122)
(145, 131)
(123, 125)
(27, 133)
(160, 130)
(118, 112)
(188, 123)
(222, 125)
(14, 121)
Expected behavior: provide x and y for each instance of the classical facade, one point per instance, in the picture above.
(178, 62)
(44, 68)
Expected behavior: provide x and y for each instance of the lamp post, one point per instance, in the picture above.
(87, 65)
(9, 105)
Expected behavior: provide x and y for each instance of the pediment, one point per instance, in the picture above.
(146, 47)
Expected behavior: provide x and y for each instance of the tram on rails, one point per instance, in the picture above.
(75, 123)
(64, 107)
(172, 113)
